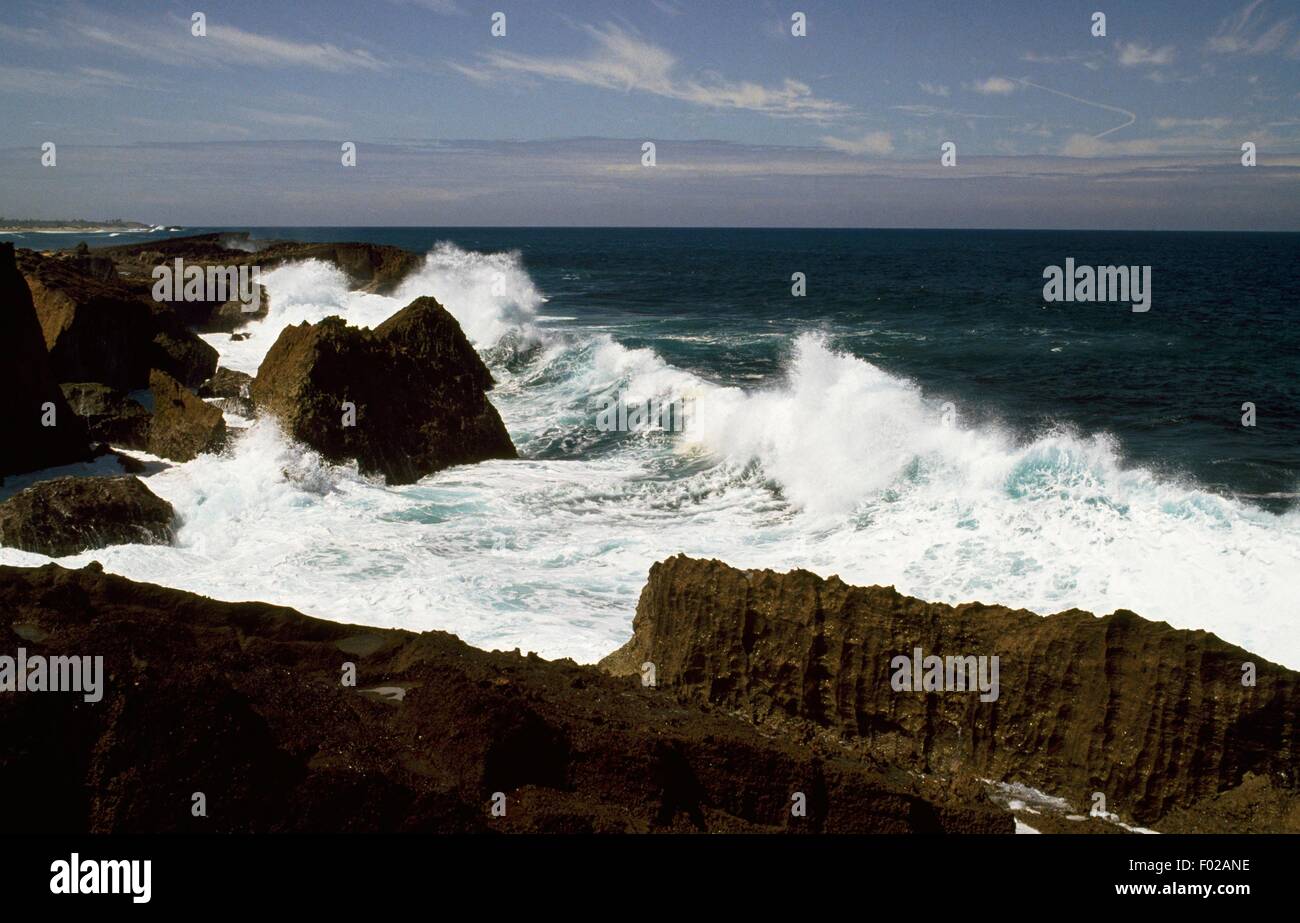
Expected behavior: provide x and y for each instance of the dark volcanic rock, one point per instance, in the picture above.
(230, 390)
(68, 515)
(244, 702)
(183, 426)
(375, 268)
(110, 416)
(105, 330)
(28, 384)
(1155, 718)
(416, 383)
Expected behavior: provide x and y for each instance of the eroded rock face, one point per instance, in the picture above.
(28, 384)
(69, 515)
(1155, 718)
(183, 426)
(101, 329)
(416, 385)
(243, 701)
(110, 415)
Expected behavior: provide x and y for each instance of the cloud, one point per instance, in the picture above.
(1132, 54)
(65, 82)
(1245, 32)
(926, 111)
(879, 143)
(290, 119)
(224, 45)
(1217, 123)
(622, 61)
(994, 86)
(935, 89)
(446, 7)
(267, 50)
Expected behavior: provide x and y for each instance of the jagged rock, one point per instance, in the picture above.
(110, 415)
(28, 385)
(417, 385)
(1154, 718)
(247, 701)
(69, 515)
(104, 330)
(229, 390)
(183, 426)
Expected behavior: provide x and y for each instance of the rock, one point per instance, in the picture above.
(1155, 718)
(110, 415)
(93, 264)
(73, 514)
(179, 352)
(28, 383)
(229, 390)
(243, 702)
(183, 426)
(417, 385)
(106, 331)
(377, 268)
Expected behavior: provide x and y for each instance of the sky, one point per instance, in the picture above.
(1053, 126)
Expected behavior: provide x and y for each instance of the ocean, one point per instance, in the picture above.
(919, 417)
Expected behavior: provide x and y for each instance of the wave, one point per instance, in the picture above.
(841, 467)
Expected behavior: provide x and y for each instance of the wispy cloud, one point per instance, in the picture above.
(290, 119)
(622, 61)
(879, 143)
(70, 82)
(935, 89)
(1132, 54)
(446, 7)
(223, 46)
(1248, 31)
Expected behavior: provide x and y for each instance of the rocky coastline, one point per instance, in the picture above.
(745, 701)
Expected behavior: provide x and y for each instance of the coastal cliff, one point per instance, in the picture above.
(250, 705)
(1154, 718)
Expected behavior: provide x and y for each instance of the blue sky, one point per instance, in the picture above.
(1054, 127)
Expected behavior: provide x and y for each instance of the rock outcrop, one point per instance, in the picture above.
(69, 515)
(183, 426)
(377, 268)
(104, 330)
(244, 702)
(110, 415)
(404, 400)
(1156, 719)
(229, 390)
(30, 388)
